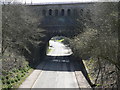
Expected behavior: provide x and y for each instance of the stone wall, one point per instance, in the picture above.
(73, 9)
(60, 18)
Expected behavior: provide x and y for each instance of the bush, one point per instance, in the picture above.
(16, 80)
(3, 78)
(18, 76)
(3, 82)
(7, 77)
(12, 80)
(22, 75)
(9, 86)
(8, 82)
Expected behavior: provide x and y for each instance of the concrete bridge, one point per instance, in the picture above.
(61, 18)
(58, 17)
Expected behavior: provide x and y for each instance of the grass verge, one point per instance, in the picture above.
(15, 78)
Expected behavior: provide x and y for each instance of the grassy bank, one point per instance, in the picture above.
(15, 77)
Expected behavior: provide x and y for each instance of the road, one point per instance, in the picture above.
(59, 49)
(56, 74)
(56, 71)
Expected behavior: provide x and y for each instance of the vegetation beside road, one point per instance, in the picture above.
(23, 42)
(15, 77)
(97, 44)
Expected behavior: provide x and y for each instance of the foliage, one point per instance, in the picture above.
(99, 38)
(22, 40)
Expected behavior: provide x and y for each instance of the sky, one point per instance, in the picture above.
(55, 1)
(65, 1)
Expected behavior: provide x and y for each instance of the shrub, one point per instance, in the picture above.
(12, 80)
(18, 76)
(9, 86)
(16, 80)
(22, 75)
(3, 82)
(3, 78)
(7, 77)
(8, 82)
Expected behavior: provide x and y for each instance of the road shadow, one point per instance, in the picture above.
(57, 63)
(64, 64)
